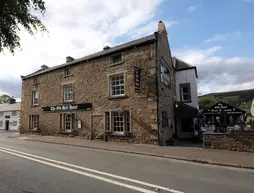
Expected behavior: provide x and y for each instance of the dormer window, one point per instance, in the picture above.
(67, 72)
(35, 81)
(116, 59)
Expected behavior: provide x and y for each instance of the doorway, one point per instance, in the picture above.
(7, 125)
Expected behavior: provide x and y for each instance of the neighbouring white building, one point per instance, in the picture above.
(9, 116)
(186, 109)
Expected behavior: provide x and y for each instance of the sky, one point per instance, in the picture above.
(217, 36)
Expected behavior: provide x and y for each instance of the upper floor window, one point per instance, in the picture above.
(1, 114)
(118, 58)
(185, 92)
(117, 85)
(35, 81)
(14, 113)
(67, 72)
(117, 122)
(1, 123)
(165, 75)
(67, 93)
(35, 97)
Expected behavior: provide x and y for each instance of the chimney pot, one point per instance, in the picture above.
(69, 59)
(106, 48)
(43, 67)
(161, 27)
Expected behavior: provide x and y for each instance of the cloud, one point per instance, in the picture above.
(224, 36)
(217, 73)
(76, 29)
(193, 7)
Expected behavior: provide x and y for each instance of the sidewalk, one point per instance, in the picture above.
(193, 154)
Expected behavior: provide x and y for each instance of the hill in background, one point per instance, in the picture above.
(241, 99)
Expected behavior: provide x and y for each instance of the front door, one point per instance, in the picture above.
(68, 122)
(7, 124)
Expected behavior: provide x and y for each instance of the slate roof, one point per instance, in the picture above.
(181, 65)
(10, 107)
(148, 39)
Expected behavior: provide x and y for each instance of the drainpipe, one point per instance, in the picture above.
(157, 88)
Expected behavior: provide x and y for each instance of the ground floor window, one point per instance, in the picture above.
(67, 121)
(14, 123)
(117, 122)
(34, 122)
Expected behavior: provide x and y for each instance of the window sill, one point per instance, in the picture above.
(116, 64)
(34, 130)
(67, 102)
(66, 76)
(35, 105)
(120, 134)
(117, 97)
(186, 101)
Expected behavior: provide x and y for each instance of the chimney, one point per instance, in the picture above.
(69, 59)
(44, 67)
(161, 27)
(106, 48)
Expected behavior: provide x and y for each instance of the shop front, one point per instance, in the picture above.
(223, 115)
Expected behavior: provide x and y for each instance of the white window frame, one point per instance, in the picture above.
(113, 124)
(35, 81)
(16, 123)
(34, 102)
(113, 84)
(68, 92)
(35, 122)
(67, 72)
(182, 86)
(116, 62)
(71, 122)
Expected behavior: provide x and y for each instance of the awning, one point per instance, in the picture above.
(184, 111)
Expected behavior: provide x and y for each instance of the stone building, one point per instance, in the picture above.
(9, 116)
(124, 92)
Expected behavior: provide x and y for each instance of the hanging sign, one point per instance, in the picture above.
(137, 79)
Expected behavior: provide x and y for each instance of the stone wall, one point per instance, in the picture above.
(165, 93)
(235, 141)
(90, 82)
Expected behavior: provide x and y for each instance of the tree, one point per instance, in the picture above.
(19, 13)
(6, 99)
(205, 103)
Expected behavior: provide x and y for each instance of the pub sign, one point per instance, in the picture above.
(68, 107)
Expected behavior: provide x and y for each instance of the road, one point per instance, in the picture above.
(32, 167)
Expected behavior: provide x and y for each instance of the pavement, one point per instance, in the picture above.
(184, 153)
(32, 167)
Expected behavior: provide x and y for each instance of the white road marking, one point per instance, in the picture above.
(7, 150)
(82, 173)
